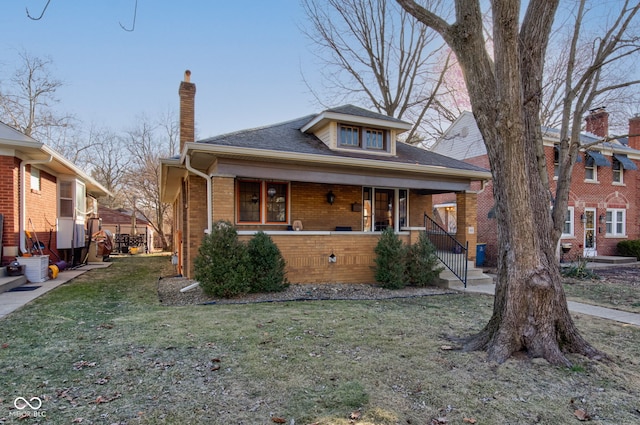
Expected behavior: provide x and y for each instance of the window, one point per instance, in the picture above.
(590, 168)
(374, 139)
(262, 202)
(615, 219)
(363, 138)
(567, 229)
(556, 160)
(35, 179)
(617, 171)
(349, 136)
(65, 199)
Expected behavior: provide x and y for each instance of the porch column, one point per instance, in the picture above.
(223, 198)
(467, 220)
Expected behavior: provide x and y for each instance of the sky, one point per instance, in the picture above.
(247, 58)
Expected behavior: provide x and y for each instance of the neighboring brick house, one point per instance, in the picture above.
(603, 201)
(43, 193)
(339, 175)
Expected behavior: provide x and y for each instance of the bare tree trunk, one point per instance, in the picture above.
(530, 312)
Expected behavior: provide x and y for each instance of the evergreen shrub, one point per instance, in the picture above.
(266, 265)
(222, 264)
(629, 248)
(391, 257)
(422, 265)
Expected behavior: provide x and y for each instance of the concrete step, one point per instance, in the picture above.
(7, 283)
(610, 259)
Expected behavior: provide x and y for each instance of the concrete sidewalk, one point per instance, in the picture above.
(13, 300)
(574, 307)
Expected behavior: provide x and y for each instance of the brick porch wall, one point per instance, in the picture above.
(307, 256)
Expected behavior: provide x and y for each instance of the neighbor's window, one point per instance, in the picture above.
(567, 229)
(617, 171)
(556, 160)
(616, 222)
(590, 168)
(65, 200)
(262, 202)
(35, 178)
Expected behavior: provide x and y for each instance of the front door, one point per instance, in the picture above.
(590, 233)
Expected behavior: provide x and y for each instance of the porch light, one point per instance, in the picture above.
(583, 218)
(601, 218)
(331, 198)
(255, 198)
(271, 192)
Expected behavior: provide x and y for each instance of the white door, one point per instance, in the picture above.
(590, 233)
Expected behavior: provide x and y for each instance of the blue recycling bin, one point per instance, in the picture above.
(480, 253)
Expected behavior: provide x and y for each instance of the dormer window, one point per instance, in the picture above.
(362, 137)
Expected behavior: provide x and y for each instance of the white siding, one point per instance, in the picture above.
(462, 140)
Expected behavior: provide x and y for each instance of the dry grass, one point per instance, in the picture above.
(613, 287)
(102, 350)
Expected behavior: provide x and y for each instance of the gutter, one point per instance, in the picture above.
(23, 201)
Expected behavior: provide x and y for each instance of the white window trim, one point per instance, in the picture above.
(621, 171)
(614, 223)
(36, 181)
(571, 220)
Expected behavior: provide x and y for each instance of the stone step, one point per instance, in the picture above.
(610, 259)
(7, 283)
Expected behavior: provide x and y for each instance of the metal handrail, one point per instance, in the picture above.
(449, 250)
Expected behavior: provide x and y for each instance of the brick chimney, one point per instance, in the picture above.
(598, 122)
(187, 93)
(634, 132)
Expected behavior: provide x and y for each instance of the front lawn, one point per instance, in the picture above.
(102, 350)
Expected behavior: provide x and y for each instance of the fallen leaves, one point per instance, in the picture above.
(469, 420)
(102, 399)
(582, 415)
(83, 364)
(278, 420)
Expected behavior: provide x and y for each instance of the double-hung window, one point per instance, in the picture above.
(590, 168)
(615, 219)
(617, 171)
(567, 228)
(262, 202)
(35, 178)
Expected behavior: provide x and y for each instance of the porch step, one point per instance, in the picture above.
(611, 259)
(475, 276)
(7, 283)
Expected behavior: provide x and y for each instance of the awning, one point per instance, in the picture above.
(627, 164)
(599, 159)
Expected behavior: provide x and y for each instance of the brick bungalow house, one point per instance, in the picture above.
(42, 191)
(321, 184)
(603, 201)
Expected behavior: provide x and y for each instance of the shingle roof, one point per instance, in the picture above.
(287, 137)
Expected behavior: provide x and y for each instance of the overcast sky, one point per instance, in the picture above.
(246, 57)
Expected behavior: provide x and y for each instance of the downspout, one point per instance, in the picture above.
(209, 209)
(23, 200)
(209, 196)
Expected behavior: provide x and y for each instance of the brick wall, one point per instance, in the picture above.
(584, 194)
(307, 256)
(41, 208)
(9, 203)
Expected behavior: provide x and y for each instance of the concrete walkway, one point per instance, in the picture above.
(591, 310)
(13, 300)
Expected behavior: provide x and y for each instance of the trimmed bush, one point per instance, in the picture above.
(266, 265)
(422, 265)
(391, 256)
(629, 248)
(222, 264)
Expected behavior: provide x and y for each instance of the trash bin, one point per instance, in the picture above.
(480, 253)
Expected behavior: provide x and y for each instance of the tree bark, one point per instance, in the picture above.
(530, 310)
